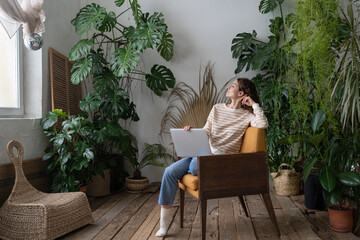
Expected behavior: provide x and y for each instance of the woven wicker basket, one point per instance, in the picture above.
(286, 181)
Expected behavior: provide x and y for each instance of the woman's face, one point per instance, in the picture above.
(233, 90)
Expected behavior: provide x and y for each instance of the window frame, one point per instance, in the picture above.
(18, 111)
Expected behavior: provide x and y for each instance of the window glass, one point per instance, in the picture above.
(9, 72)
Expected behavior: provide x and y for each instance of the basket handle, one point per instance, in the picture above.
(287, 165)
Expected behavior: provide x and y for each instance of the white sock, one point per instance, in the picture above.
(165, 219)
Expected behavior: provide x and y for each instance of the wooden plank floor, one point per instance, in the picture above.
(126, 216)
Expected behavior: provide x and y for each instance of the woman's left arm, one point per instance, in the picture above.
(259, 120)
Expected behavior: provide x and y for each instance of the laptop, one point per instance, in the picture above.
(192, 143)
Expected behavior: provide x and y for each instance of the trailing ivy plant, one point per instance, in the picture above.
(109, 56)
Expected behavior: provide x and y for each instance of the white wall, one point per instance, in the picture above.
(203, 31)
(60, 36)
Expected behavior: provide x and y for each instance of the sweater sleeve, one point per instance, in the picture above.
(208, 124)
(259, 120)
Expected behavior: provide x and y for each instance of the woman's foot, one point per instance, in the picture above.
(165, 220)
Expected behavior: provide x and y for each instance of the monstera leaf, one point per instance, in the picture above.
(136, 10)
(267, 6)
(149, 33)
(242, 43)
(93, 16)
(80, 70)
(119, 3)
(108, 22)
(160, 79)
(124, 60)
(81, 49)
(166, 47)
(92, 101)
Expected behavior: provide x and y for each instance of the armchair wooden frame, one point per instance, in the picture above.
(230, 175)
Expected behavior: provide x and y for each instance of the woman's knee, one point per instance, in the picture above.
(193, 166)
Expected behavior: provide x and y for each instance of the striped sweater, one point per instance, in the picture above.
(226, 126)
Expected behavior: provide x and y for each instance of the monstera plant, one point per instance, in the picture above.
(107, 59)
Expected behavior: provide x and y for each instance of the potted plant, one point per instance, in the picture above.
(335, 166)
(108, 55)
(151, 154)
(70, 151)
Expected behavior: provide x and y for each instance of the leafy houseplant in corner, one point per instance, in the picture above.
(151, 154)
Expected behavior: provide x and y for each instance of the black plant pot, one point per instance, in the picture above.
(313, 193)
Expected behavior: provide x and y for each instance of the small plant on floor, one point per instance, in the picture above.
(151, 154)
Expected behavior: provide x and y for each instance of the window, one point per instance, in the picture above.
(11, 101)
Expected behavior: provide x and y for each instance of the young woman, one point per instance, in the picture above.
(225, 126)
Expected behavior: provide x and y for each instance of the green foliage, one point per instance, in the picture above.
(93, 16)
(124, 60)
(274, 61)
(111, 60)
(160, 79)
(327, 152)
(346, 92)
(315, 26)
(70, 151)
(267, 6)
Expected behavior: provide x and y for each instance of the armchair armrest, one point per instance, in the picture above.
(226, 174)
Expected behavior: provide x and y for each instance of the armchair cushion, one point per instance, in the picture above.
(190, 181)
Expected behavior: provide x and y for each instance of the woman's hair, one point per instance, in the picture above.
(248, 87)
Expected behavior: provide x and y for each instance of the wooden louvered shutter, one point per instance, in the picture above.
(64, 94)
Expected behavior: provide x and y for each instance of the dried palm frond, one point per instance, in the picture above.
(194, 107)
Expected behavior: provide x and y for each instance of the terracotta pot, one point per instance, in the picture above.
(136, 185)
(99, 187)
(341, 220)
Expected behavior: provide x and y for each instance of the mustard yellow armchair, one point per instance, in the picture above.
(229, 175)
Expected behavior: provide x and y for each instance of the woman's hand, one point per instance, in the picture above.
(187, 128)
(246, 100)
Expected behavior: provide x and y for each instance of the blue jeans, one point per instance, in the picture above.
(172, 174)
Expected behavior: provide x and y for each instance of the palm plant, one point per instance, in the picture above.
(151, 154)
(195, 106)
